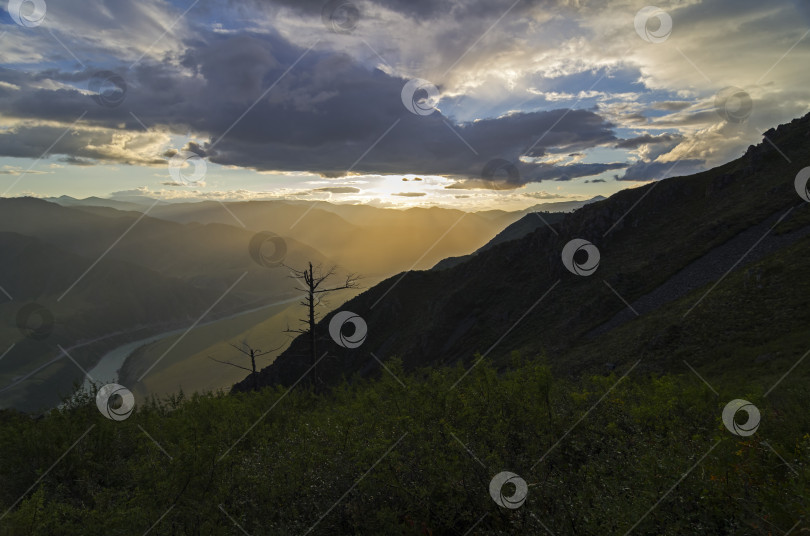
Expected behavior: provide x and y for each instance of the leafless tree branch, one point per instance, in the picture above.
(229, 363)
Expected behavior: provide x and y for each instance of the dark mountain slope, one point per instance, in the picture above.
(715, 264)
(754, 324)
(519, 229)
(645, 236)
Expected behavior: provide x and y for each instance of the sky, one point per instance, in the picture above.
(472, 104)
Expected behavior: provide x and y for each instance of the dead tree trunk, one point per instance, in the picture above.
(253, 366)
(313, 354)
(313, 277)
(252, 353)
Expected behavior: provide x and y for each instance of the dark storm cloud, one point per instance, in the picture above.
(652, 171)
(543, 195)
(75, 161)
(339, 190)
(81, 147)
(536, 173)
(321, 116)
(331, 140)
(634, 118)
(672, 106)
(416, 9)
(573, 171)
(646, 139)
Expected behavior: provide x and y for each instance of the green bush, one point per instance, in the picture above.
(374, 457)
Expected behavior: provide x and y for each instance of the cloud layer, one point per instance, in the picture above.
(561, 90)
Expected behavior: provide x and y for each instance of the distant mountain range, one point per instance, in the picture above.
(113, 271)
(107, 275)
(695, 255)
(370, 240)
(67, 201)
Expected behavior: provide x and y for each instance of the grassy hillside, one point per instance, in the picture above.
(417, 457)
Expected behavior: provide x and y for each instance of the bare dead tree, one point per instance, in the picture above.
(313, 283)
(252, 353)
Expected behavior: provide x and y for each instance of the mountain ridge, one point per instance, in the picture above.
(446, 316)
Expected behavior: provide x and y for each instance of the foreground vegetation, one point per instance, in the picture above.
(380, 457)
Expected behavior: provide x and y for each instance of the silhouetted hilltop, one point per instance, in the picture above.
(517, 295)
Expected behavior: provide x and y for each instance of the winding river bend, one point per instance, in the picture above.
(106, 371)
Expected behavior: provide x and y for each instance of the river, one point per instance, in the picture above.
(106, 371)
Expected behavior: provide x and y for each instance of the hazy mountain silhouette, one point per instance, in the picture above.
(120, 301)
(131, 280)
(208, 256)
(364, 238)
(374, 241)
